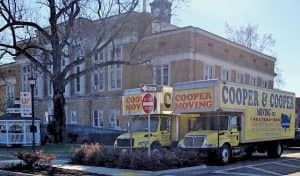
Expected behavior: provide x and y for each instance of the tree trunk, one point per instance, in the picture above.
(59, 115)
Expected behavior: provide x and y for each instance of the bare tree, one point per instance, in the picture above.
(249, 36)
(58, 32)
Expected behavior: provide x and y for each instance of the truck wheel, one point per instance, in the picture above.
(225, 154)
(275, 151)
(155, 146)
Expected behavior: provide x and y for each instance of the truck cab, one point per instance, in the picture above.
(211, 131)
(165, 127)
(137, 135)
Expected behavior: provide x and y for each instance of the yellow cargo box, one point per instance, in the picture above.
(266, 114)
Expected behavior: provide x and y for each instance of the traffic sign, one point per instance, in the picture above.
(148, 103)
(25, 104)
(148, 88)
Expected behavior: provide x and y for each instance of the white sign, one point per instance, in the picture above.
(25, 104)
(13, 110)
(149, 88)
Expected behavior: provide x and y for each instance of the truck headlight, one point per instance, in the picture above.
(143, 143)
(181, 145)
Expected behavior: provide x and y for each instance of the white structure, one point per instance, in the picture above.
(15, 130)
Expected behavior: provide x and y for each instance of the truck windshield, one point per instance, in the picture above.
(141, 124)
(210, 123)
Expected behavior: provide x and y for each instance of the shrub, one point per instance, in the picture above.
(33, 159)
(96, 154)
(89, 154)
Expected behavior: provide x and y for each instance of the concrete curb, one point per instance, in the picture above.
(10, 173)
(63, 164)
(104, 170)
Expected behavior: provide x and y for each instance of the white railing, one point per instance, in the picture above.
(15, 138)
(22, 137)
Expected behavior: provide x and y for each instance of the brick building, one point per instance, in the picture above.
(174, 54)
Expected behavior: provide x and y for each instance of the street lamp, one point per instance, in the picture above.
(32, 128)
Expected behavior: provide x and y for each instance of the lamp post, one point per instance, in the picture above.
(32, 128)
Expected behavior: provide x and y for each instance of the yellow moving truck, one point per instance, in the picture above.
(233, 120)
(165, 128)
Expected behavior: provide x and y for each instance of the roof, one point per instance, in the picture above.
(213, 36)
(14, 116)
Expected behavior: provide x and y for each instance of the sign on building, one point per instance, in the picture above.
(25, 104)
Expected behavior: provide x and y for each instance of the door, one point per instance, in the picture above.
(165, 131)
(234, 133)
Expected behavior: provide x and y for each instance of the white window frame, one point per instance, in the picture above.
(264, 83)
(73, 117)
(115, 72)
(25, 76)
(253, 80)
(97, 87)
(226, 74)
(81, 80)
(64, 63)
(50, 88)
(240, 78)
(161, 68)
(209, 72)
(10, 91)
(99, 117)
(113, 119)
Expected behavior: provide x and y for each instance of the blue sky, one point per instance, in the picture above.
(279, 17)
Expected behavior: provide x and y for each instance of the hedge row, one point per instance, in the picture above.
(97, 155)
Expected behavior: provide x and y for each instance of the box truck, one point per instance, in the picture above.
(233, 120)
(165, 127)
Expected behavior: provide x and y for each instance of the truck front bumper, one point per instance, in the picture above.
(203, 152)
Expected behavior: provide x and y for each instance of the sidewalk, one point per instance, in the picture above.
(63, 164)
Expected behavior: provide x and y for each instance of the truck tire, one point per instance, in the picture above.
(225, 154)
(155, 146)
(274, 151)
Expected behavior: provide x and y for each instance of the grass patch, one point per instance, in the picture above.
(57, 149)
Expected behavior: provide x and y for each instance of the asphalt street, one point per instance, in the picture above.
(258, 165)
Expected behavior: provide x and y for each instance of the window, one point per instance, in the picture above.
(113, 120)
(10, 88)
(77, 80)
(98, 118)
(240, 77)
(264, 84)
(115, 70)
(161, 74)
(225, 75)
(73, 119)
(25, 76)
(164, 124)
(253, 81)
(98, 80)
(50, 88)
(100, 56)
(209, 72)
(233, 122)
